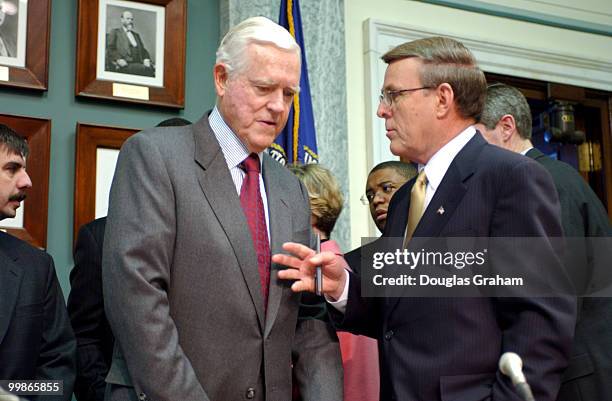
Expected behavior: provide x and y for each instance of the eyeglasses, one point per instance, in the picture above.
(387, 97)
(387, 189)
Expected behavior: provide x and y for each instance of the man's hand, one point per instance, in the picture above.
(146, 62)
(302, 266)
(121, 62)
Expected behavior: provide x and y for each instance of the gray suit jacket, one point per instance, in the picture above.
(181, 284)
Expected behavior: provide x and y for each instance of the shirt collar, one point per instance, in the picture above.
(436, 167)
(232, 147)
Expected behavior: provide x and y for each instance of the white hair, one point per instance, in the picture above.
(260, 30)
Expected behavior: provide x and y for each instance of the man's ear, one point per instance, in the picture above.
(444, 100)
(507, 127)
(220, 76)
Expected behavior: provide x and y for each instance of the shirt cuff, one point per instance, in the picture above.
(340, 303)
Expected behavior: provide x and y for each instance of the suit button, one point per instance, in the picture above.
(389, 335)
(142, 396)
(250, 393)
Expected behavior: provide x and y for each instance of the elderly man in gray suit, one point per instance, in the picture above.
(190, 291)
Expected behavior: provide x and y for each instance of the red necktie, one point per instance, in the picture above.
(252, 205)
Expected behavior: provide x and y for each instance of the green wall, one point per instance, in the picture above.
(60, 105)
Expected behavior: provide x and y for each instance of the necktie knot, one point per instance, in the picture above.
(421, 180)
(251, 163)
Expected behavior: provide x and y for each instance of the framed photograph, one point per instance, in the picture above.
(97, 149)
(132, 50)
(30, 223)
(24, 43)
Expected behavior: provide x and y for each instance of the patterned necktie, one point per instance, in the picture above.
(252, 205)
(417, 205)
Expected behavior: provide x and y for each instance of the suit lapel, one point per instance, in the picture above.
(448, 196)
(10, 282)
(280, 231)
(219, 190)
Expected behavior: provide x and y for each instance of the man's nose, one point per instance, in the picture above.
(383, 111)
(276, 102)
(24, 181)
(379, 197)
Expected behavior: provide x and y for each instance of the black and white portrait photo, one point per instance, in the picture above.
(13, 24)
(131, 42)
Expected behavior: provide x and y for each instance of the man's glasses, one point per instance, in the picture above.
(387, 189)
(387, 97)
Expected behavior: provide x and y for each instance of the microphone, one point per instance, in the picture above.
(511, 365)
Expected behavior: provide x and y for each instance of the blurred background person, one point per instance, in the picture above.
(359, 353)
(95, 339)
(384, 179)
(506, 122)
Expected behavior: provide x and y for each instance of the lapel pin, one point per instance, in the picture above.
(440, 210)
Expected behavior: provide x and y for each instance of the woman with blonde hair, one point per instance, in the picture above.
(359, 353)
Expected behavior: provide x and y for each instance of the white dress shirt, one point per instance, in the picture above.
(235, 152)
(435, 169)
(130, 37)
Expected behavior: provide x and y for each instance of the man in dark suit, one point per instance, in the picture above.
(125, 51)
(192, 297)
(441, 348)
(36, 341)
(86, 306)
(506, 122)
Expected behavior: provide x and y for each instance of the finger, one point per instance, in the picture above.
(303, 285)
(298, 250)
(287, 260)
(291, 274)
(323, 258)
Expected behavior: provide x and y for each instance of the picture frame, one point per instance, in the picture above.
(132, 51)
(30, 224)
(24, 43)
(96, 146)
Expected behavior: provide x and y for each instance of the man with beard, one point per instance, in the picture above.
(36, 340)
(125, 51)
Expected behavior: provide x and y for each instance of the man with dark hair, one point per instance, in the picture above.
(506, 122)
(384, 179)
(36, 341)
(441, 348)
(125, 51)
(86, 306)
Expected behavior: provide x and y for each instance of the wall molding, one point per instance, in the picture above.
(501, 58)
(525, 15)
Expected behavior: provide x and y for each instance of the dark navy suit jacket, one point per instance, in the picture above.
(36, 340)
(448, 348)
(590, 366)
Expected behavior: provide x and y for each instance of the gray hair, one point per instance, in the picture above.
(260, 30)
(504, 99)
